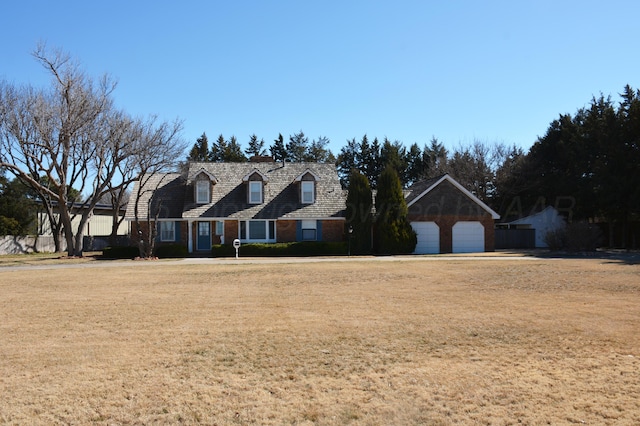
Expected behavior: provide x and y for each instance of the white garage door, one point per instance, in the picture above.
(428, 234)
(468, 237)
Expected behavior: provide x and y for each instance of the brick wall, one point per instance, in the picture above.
(286, 231)
(333, 230)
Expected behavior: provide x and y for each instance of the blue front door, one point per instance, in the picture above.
(204, 236)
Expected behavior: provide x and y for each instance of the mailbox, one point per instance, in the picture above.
(236, 245)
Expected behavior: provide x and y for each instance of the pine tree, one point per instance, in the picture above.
(278, 150)
(218, 149)
(297, 147)
(359, 216)
(346, 161)
(256, 147)
(318, 152)
(233, 152)
(394, 234)
(200, 150)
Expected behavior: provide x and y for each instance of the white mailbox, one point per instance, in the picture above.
(236, 245)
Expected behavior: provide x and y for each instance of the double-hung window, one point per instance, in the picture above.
(309, 230)
(257, 230)
(167, 231)
(308, 193)
(202, 191)
(255, 192)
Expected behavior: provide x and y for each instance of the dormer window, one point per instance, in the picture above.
(202, 185)
(255, 192)
(255, 186)
(307, 184)
(307, 188)
(203, 191)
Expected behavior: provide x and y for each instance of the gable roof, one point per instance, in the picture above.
(422, 188)
(281, 196)
(167, 190)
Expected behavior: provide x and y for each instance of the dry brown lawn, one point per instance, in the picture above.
(439, 342)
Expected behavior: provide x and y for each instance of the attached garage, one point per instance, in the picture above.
(468, 237)
(428, 234)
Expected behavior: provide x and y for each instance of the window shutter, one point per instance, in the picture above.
(319, 230)
(158, 231)
(177, 231)
(298, 230)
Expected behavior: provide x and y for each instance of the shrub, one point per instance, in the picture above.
(578, 236)
(120, 252)
(172, 251)
(307, 248)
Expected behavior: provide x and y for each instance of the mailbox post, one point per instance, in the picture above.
(236, 245)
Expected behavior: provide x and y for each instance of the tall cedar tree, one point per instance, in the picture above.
(200, 150)
(256, 147)
(278, 150)
(359, 215)
(394, 234)
(297, 148)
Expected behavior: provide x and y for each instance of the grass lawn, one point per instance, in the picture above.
(484, 341)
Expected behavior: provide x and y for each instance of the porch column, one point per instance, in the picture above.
(190, 238)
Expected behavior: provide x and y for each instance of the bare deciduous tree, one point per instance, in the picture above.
(70, 136)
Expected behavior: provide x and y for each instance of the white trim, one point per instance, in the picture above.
(448, 178)
(301, 175)
(209, 175)
(248, 175)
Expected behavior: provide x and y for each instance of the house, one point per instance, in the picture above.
(99, 224)
(447, 218)
(537, 225)
(213, 203)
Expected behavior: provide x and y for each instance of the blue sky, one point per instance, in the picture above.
(493, 71)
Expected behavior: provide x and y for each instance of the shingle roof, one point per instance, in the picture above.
(281, 197)
(168, 199)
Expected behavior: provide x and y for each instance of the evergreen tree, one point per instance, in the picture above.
(200, 150)
(416, 169)
(394, 234)
(233, 152)
(218, 149)
(346, 161)
(318, 152)
(278, 150)
(256, 147)
(394, 155)
(17, 208)
(373, 168)
(297, 148)
(359, 216)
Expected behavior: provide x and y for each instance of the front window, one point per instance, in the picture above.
(257, 230)
(307, 192)
(308, 230)
(255, 192)
(202, 191)
(167, 231)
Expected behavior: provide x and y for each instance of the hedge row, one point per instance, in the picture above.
(281, 249)
(167, 251)
(227, 250)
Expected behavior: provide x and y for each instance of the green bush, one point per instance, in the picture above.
(120, 252)
(172, 251)
(578, 236)
(307, 248)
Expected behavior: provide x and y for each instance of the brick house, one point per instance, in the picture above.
(253, 201)
(448, 218)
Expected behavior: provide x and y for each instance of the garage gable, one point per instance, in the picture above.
(445, 196)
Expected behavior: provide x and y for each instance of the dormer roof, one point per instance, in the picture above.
(298, 178)
(203, 171)
(263, 177)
